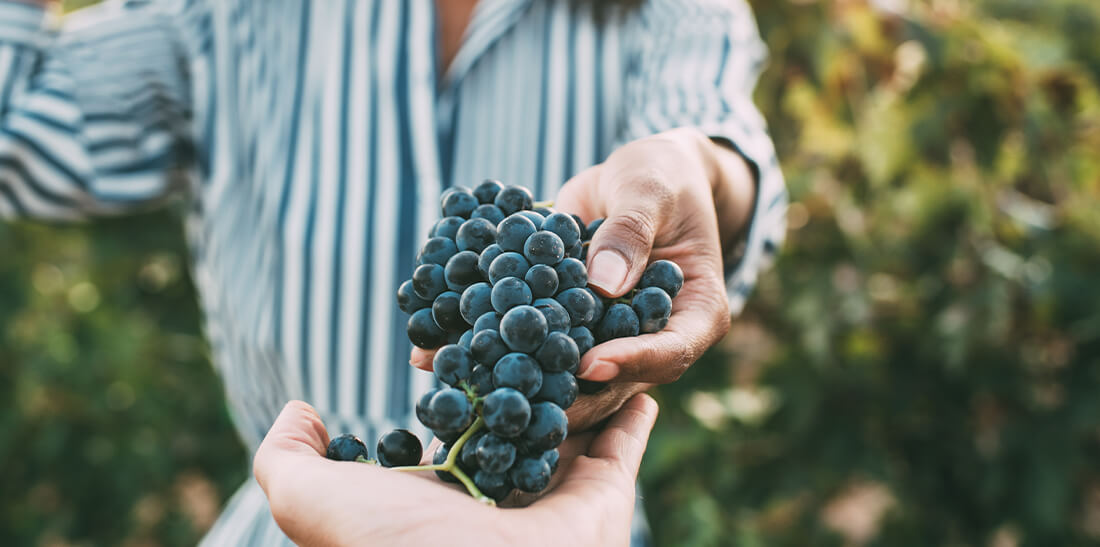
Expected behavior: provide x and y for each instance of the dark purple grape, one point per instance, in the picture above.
(476, 301)
(492, 213)
(513, 198)
(428, 281)
(520, 372)
(495, 454)
(572, 274)
(399, 448)
(513, 231)
(565, 227)
(486, 259)
(509, 293)
(423, 332)
(543, 281)
(557, 319)
(487, 347)
(488, 320)
(458, 202)
(446, 227)
(487, 191)
(559, 388)
(544, 248)
(583, 337)
(534, 217)
(508, 264)
(422, 408)
(559, 353)
(653, 306)
(446, 314)
(461, 271)
(620, 321)
(481, 379)
(530, 475)
(523, 328)
(665, 275)
(451, 410)
(438, 458)
(475, 235)
(579, 304)
(346, 448)
(547, 428)
(506, 412)
(452, 364)
(407, 299)
(551, 458)
(593, 226)
(494, 485)
(465, 339)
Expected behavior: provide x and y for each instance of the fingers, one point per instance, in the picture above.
(624, 439)
(422, 358)
(620, 249)
(297, 432)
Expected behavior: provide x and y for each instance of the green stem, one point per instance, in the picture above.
(450, 465)
(547, 204)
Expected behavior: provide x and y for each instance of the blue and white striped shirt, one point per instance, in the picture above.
(311, 140)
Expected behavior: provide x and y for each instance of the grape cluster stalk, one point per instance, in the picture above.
(500, 291)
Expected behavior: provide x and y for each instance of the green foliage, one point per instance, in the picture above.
(921, 367)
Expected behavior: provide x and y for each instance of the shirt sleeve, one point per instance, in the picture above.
(696, 65)
(95, 106)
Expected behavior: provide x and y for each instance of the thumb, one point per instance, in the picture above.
(298, 432)
(620, 249)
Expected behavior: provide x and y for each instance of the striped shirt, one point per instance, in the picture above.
(310, 142)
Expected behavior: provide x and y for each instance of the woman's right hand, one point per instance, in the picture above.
(317, 501)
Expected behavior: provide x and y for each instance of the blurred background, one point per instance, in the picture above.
(921, 367)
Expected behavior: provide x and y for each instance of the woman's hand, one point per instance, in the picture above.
(317, 501)
(675, 196)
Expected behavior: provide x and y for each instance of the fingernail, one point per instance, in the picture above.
(607, 271)
(600, 371)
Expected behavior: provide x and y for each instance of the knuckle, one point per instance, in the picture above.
(634, 229)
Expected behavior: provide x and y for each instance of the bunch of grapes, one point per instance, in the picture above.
(500, 291)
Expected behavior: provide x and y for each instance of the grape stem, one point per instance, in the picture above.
(450, 465)
(547, 204)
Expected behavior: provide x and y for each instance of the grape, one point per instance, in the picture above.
(509, 293)
(446, 314)
(481, 379)
(495, 454)
(451, 410)
(513, 198)
(508, 264)
(468, 455)
(520, 372)
(557, 319)
(619, 322)
(597, 316)
(523, 328)
(559, 353)
(486, 259)
(422, 412)
(487, 347)
(346, 448)
(458, 202)
(565, 227)
(466, 338)
(452, 364)
(454, 337)
(547, 428)
(487, 320)
(438, 458)
(494, 485)
(448, 437)
(571, 274)
(423, 332)
(437, 251)
(506, 412)
(584, 339)
(487, 191)
(399, 448)
(544, 248)
(665, 275)
(461, 271)
(475, 235)
(543, 211)
(543, 281)
(407, 299)
(551, 458)
(428, 281)
(578, 251)
(489, 212)
(593, 226)
(653, 307)
(534, 217)
(475, 302)
(446, 227)
(559, 388)
(530, 475)
(513, 231)
(580, 305)
(580, 226)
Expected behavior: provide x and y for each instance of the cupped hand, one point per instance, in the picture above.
(317, 501)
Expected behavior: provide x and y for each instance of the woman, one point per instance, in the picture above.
(311, 140)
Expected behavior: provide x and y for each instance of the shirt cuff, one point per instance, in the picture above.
(768, 224)
(23, 24)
